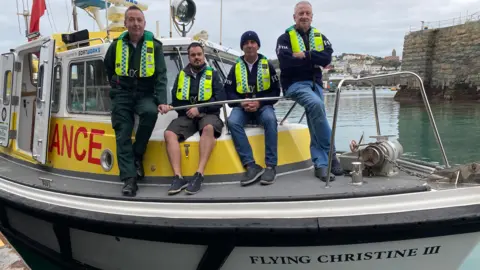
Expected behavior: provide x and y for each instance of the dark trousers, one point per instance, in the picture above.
(124, 105)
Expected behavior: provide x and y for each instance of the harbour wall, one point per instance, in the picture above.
(448, 61)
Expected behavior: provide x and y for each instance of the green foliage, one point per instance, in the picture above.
(388, 63)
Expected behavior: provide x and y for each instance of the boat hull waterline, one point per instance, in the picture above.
(96, 250)
(430, 239)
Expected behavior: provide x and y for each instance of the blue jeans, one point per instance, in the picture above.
(265, 116)
(320, 130)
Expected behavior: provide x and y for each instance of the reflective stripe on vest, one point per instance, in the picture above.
(147, 60)
(204, 88)
(315, 37)
(241, 77)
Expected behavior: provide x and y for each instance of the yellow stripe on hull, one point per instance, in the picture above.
(77, 146)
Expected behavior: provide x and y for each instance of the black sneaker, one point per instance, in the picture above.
(336, 167)
(253, 173)
(139, 168)
(321, 173)
(269, 176)
(178, 184)
(195, 184)
(130, 187)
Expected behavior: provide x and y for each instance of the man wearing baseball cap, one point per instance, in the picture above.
(253, 76)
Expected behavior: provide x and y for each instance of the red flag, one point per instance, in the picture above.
(38, 9)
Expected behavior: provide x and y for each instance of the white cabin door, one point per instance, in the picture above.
(43, 101)
(7, 61)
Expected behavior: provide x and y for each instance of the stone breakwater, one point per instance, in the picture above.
(447, 59)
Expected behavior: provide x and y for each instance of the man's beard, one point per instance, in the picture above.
(197, 66)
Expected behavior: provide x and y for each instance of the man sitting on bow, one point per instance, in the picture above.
(253, 77)
(197, 83)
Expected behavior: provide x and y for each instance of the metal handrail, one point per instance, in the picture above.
(375, 108)
(179, 56)
(288, 113)
(369, 79)
(224, 108)
(222, 102)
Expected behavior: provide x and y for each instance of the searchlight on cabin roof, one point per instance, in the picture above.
(183, 14)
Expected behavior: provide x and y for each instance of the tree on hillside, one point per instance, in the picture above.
(396, 64)
(388, 63)
(364, 73)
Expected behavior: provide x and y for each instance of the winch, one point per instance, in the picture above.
(377, 158)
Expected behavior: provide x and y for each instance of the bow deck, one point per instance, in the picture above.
(296, 185)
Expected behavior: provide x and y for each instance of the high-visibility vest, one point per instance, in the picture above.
(315, 39)
(241, 77)
(204, 88)
(147, 60)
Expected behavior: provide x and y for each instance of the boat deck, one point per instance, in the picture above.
(298, 185)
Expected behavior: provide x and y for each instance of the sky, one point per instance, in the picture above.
(368, 26)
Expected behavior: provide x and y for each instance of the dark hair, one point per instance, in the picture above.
(194, 44)
(132, 8)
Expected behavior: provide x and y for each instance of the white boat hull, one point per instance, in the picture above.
(419, 229)
(113, 252)
(439, 253)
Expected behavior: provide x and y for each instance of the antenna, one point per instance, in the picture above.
(171, 18)
(221, 11)
(18, 19)
(25, 15)
(74, 14)
(106, 20)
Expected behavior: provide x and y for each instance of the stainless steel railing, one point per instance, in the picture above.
(369, 79)
(375, 108)
(335, 115)
(224, 108)
(225, 102)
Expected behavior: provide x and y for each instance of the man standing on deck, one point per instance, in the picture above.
(138, 76)
(197, 83)
(253, 77)
(301, 51)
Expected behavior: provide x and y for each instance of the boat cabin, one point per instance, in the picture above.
(56, 111)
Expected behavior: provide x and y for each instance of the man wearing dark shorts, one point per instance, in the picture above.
(197, 83)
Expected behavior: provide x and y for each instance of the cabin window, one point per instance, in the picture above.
(97, 88)
(33, 61)
(57, 84)
(174, 64)
(211, 62)
(76, 87)
(7, 87)
(217, 64)
(88, 88)
(225, 67)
